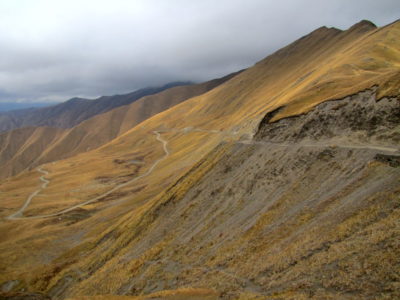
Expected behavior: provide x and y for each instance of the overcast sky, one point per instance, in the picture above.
(52, 50)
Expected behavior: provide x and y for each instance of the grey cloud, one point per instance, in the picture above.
(54, 50)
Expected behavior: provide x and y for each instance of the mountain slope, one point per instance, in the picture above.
(310, 213)
(25, 144)
(73, 111)
(105, 127)
(246, 199)
(90, 133)
(8, 106)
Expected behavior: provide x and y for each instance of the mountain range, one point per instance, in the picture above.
(8, 106)
(280, 181)
(74, 111)
(31, 146)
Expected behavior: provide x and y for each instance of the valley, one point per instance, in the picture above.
(279, 182)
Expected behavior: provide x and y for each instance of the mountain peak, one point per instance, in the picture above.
(363, 25)
(325, 29)
(74, 100)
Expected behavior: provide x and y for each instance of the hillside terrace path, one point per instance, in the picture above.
(19, 214)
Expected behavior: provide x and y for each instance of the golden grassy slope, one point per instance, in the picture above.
(29, 147)
(101, 129)
(181, 294)
(21, 147)
(307, 72)
(253, 226)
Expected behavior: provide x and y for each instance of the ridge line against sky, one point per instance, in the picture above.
(55, 50)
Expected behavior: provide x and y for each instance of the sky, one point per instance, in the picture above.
(53, 50)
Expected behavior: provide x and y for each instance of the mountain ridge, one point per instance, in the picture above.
(282, 182)
(15, 147)
(73, 111)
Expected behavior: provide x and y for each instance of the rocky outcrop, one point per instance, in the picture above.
(359, 118)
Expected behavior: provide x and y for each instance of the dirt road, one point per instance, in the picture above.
(19, 214)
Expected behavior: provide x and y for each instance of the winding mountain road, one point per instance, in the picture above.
(19, 214)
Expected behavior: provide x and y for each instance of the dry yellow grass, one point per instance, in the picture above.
(39, 145)
(327, 64)
(181, 294)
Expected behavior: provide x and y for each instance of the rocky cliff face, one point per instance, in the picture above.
(356, 119)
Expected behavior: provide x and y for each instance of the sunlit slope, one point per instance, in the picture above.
(20, 147)
(326, 64)
(35, 243)
(181, 294)
(48, 144)
(78, 251)
(313, 216)
(103, 128)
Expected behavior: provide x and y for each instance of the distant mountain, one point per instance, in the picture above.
(73, 111)
(280, 183)
(28, 147)
(8, 106)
